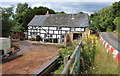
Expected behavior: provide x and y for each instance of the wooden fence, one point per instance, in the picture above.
(68, 62)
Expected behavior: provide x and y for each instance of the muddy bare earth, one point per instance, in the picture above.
(33, 57)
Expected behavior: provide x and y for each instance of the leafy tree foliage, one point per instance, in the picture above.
(22, 8)
(62, 12)
(117, 23)
(6, 22)
(19, 21)
(81, 13)
(103, 19)
(35, 11)
(17, 28)
(21, 11)
(25, 14)
(116, 9)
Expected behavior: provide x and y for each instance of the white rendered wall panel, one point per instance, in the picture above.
(52, 28)
(58, 36)
(38, 30)
(45, 27)
(34, 30)
(82, 29)
(55, 32)
(38, 33)
(42, 35)
(59, 32)
(63, 28)
(54, 36)
(51, 32)
(63, 32)
(28, 33)
(29, 37)
(42, 31)
(77, 29)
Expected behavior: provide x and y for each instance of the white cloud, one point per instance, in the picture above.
(5, 6)
(59, 0)
(89, 13)
(69, 10)
(41, 4)
(68, 7)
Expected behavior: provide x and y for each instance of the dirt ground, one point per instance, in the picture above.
(31, 60)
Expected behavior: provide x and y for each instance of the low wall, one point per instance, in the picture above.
(47, 68)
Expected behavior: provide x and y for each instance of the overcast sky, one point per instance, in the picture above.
(69, 6)
(58, 0)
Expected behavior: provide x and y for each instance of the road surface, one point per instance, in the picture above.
(111, 39)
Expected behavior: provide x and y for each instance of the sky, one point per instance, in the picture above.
(69, 6)
(58, 0)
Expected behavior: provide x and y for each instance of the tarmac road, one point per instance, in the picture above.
(111, 39)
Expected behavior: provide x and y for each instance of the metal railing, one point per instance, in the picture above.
(74, 57)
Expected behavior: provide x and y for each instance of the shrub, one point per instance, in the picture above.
(88, 53)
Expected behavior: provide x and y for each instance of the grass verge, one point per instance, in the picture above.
(117, 34)
(104, 62)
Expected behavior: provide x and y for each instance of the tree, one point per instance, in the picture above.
(95, 22)
(103, 19)
(81, 13)
(22, 8)
(106, 18)
(35, 11)
(18, 28)
(23, 16)
(19, 17)
(7, 23)
(117, 23)
(116, 9)
(62, 12)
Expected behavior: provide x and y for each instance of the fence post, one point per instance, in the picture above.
(66, 58)
(68, 62)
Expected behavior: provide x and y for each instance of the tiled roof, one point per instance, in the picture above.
(60, 20)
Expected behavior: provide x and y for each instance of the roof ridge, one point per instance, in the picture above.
(61, 14)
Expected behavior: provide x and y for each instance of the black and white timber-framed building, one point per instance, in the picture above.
(55, 26)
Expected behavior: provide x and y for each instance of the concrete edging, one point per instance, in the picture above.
(110, 49)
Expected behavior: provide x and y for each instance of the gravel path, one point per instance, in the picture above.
(33, 57)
